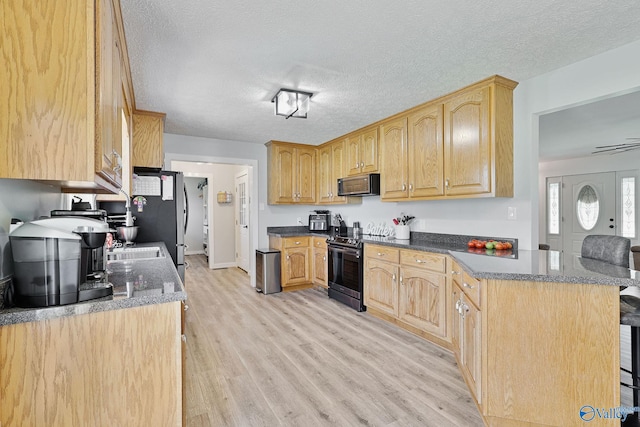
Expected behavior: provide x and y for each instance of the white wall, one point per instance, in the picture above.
(193, 238)
(611, 73)
(224, 244)
(26, 200)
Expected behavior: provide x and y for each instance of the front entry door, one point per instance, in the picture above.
(588, 207)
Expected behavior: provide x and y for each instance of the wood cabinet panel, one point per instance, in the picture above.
(393, 159)
(148, 145)
(325, 175)
(296, 266)
(383, 253)
(362, 152)
(381, 286)
(320, 265)
(306, 174)
(62, 112)
(425, 160)
(291, 172)
(467, 143)
(295, 242)
(331, 167)
(425, 260)
(94, 369)
(471, 346)
(423, 299)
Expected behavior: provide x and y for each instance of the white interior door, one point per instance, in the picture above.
(242, 222)
(588, 207)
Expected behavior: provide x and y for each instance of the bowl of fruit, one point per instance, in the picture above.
(490, 247)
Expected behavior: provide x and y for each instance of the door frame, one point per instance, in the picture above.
(252, 166)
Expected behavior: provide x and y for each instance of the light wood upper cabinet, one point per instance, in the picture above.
(148, 146)
(291, 172)
(331, 167)
(393, 159)
(362, 152)
(478, 140)
(467, 141)
(460, 145)
(412, 155)
(62, 92)
(425, 161)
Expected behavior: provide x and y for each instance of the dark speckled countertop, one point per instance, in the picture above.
(539, 266)
(135, 283)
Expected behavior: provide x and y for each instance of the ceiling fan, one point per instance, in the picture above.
(634, 144)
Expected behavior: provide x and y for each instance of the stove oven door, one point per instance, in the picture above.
(345, 270)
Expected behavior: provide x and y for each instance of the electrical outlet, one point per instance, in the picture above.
(511, 213)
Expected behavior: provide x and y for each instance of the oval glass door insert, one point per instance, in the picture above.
(587, 207)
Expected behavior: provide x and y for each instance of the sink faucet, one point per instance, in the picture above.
(128, 220)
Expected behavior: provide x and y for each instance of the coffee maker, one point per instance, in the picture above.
(54, 262)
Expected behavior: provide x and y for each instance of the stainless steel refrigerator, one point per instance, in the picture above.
(160, 207)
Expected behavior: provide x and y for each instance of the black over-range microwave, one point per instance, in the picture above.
(361, 185)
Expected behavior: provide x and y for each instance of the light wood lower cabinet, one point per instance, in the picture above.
(532, 353)
(119, 367)
(409, 287)
(295, 261)
(320, 265)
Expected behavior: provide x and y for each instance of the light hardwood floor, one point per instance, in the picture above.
(301, 359)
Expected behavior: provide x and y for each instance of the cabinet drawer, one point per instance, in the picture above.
(426, 260)
(383, 253)
(456, 273)
(295, 242)
(471, 288)
(320, 242)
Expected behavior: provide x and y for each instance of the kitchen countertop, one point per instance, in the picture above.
(524, 265)
(135, 283)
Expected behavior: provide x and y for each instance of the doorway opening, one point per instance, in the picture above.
(221, 215)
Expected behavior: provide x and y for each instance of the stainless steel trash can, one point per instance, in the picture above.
(268, 271)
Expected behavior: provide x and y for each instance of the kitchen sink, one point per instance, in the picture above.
(135, 253)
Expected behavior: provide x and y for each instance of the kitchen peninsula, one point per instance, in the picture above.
(536, 336)
(110, 361)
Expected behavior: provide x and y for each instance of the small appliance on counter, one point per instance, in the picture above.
(54, 262)
(320, 220)
(341, 229)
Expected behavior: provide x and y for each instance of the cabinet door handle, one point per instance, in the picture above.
(404, 187)
(410, 187)
(288, 257)
(401, 282)
(466, 285)
(357, 165)
(458, 306)
(297, 243)
(361, 164)
(419, 261)
(446, 183)
(324, 258)
(380, 254)
(186, 307)
(455, 272)
(393, 278)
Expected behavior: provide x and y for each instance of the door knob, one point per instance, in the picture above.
(611, 226)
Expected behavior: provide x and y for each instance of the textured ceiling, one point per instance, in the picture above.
(213, 66)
